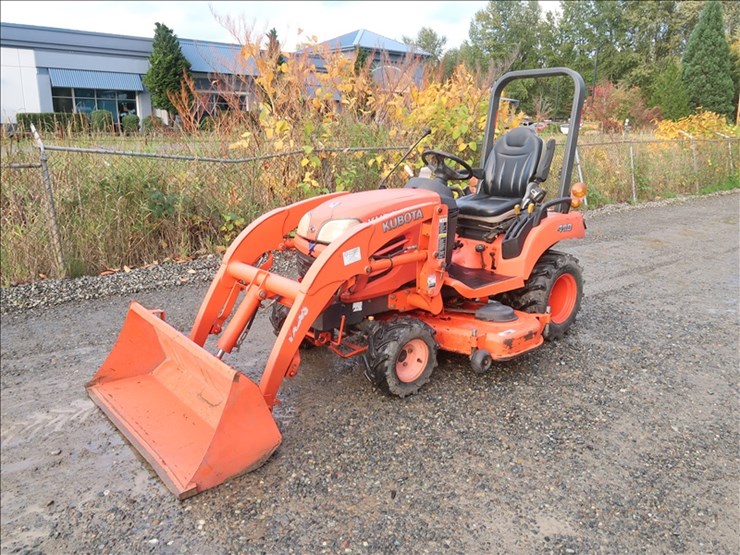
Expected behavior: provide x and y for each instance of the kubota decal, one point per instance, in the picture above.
(301, 315)
(406, 218)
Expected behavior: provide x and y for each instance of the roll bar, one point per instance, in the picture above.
(575, 117)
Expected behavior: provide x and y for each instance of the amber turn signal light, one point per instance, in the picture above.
(578, 190)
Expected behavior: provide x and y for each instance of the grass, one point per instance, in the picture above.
(732, 182)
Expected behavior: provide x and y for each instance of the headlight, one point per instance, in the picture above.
(334, 228)
(303, 225)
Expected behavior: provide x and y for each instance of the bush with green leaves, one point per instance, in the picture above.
(102, 120)
(150, 123)
(130, 123)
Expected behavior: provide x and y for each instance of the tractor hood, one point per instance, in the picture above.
(343, 212)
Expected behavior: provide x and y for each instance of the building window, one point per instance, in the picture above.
(84, 101)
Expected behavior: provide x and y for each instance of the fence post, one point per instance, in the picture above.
(729, 149)
(578, 166)
(580, 176)
(696, 163)
(55, 235)
(632, 172)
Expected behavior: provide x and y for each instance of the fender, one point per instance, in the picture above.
(552, 229)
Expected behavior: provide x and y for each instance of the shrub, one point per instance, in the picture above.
(130, 123)
(51, 122)
(610, 105)
(703, 124)
(151, 123)
(102, 120)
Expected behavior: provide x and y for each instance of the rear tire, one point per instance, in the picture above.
(556, 281)
(401, 356)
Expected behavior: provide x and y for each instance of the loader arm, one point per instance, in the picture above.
(346, 257)
(266, 233)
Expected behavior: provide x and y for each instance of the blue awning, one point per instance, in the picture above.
(81, 79)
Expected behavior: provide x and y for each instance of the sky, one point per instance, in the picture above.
(200, 20)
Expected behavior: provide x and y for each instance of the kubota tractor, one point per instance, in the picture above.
(391, 275)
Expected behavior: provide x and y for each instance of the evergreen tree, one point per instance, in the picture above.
(707, 69)
(361, 56)
(668, 93)
(274, 52)
(166, 66)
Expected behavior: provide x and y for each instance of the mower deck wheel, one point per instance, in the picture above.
(401, 356)
(481, 361)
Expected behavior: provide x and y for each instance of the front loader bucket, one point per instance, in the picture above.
(195, 420)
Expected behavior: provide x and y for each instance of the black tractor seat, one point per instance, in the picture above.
(486, 208)
(515, 161)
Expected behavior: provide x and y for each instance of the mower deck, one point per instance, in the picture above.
(462, 332)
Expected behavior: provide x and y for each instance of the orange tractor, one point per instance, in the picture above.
(391, 275)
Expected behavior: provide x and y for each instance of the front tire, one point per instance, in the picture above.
(278, 314)
(556, 281)
(402, 355)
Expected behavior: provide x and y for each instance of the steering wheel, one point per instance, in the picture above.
(435, 160)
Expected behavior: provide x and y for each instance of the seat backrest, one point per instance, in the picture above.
(511, 164)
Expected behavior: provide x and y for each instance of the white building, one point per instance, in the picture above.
(59, 70)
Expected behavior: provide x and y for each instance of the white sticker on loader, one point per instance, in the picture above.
(357, 307)
(301, 315)
(351, 256)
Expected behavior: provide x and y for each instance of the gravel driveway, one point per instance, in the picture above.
(622, 437)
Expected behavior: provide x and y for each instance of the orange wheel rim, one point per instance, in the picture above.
(412, 360)
(563, 298)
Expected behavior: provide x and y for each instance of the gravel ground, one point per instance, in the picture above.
(622, 437)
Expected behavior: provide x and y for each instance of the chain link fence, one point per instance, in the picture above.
(69, 210)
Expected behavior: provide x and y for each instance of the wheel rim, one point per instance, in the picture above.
(563, 297)
(412, 360)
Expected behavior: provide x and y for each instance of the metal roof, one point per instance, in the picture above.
(68, 40)
(95, 80)
(210, 57)
(362, 38)
(204, 56)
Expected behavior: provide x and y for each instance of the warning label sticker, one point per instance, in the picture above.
(351, 256)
